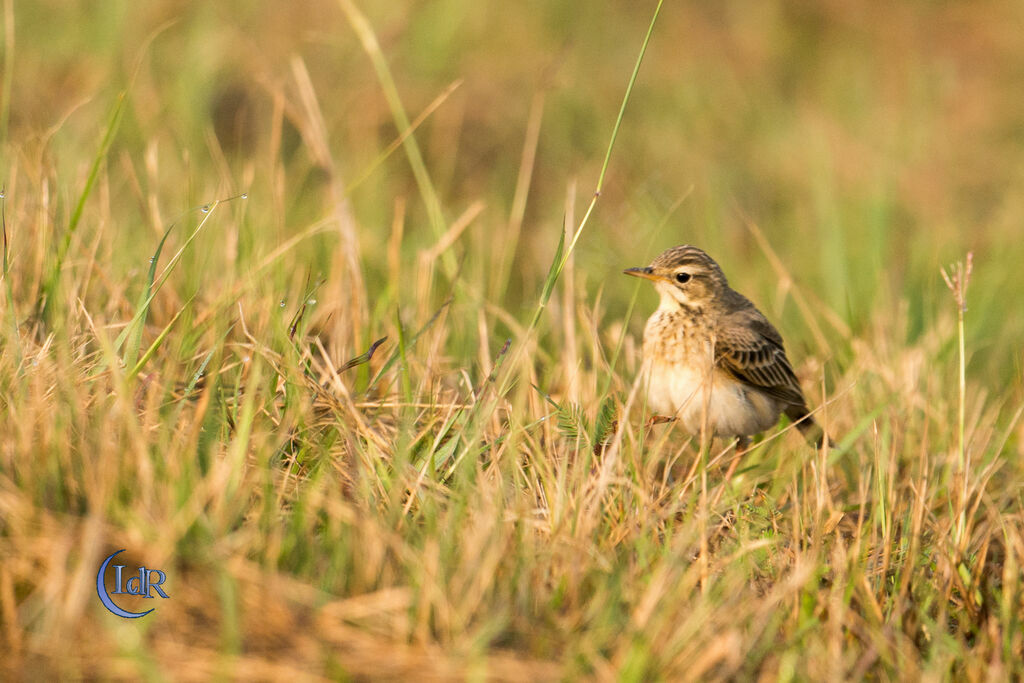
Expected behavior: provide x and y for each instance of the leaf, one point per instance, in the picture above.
(571, 421)
(605, 423)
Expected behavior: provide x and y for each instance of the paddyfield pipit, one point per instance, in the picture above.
(711, 359)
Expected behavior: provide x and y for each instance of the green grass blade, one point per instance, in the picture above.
(140, 311)
(562, 253)
(142, 308)
(404, 367)
(157, 342)
(626, 96)
(549, 286)
(557, 263)
(361, 25)
(198, 374)
(50, 287)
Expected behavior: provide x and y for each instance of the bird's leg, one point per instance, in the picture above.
(742, 446)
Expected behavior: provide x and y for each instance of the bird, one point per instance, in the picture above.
(711, 359)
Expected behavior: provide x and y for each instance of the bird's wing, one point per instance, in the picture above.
(751, 350)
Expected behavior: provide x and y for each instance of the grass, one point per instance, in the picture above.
(200, 381)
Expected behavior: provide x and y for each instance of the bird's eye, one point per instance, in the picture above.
(682, 278)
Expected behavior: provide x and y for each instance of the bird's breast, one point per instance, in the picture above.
(683, 381)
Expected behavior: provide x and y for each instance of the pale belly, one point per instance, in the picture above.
(730, 409)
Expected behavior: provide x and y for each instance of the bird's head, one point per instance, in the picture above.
(684, 276)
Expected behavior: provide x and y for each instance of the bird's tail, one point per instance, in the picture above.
(812, 431)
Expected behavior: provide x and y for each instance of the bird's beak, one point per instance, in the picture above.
(646, 273)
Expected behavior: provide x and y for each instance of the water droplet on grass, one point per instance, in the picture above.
(245, 195)
(205, 208)
(282, 303)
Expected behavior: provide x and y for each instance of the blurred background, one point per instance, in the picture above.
(872, 143)
(832, 155)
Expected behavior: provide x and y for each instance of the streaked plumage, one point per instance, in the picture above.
(709, 354)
